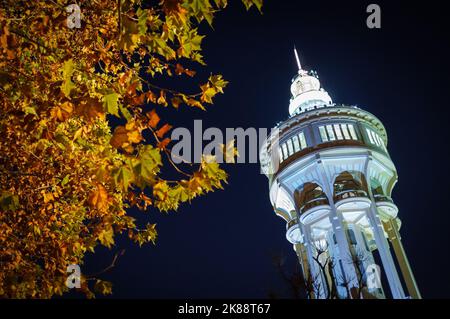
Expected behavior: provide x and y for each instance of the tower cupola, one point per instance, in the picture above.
(306, 91)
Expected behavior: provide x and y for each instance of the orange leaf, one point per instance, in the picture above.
(151, 97)
(179, 69)
(190, 73)
(163, 144)
(163, 130)
(62, 112)
(119, 137)
(153, 119)
(176, 101)
(99, 198)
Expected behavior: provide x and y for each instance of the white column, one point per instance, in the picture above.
(385, 254)
(345, 253)
(382, 244)
(337, 221)
(315, 270)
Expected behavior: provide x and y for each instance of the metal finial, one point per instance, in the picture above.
(298, 60)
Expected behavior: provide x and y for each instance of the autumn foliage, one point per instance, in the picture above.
(67, 174)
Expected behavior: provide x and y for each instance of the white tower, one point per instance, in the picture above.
(330, 178)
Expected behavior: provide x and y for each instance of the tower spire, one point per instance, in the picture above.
(298, 60)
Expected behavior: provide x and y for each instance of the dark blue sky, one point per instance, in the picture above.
(221, 245)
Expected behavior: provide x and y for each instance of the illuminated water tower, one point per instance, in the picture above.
(331, 178)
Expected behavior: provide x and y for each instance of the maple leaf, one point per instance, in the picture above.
(176, 101)
(90, 109)
(67, 72)
(130, 34)
(125, 136)
(120, 136)
(106, 237)
(149, 234)
(111, 101)
(229, 151)
(98, 198)
(123, 176)
(163, 130)
(249, 3)
(103, 287)
(148, 163)
(61, 112)
(195, 103)
(207, 93)
(163, 144)
(153, 119)
(218, 83)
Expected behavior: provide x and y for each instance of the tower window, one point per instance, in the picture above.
(302, 138)
(285, 151)
(280, 154)
(323, 134)
(351, 128)
(337, 129)
(380, 141)
(296, 143)
(290, 147)
(375, 138)
(331, 133)
(345, 131)
(369, 133)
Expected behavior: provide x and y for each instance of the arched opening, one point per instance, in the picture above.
(349, 184)
(310, 195)
(378, 192)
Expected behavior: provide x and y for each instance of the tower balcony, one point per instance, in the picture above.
(314, 210)
(352, 199)
(386, 206)
(379, 199)
(314, 203)
(293, 232)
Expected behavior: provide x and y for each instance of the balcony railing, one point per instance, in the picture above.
(319, 201)
(292, 223)
(382, 198)
(349, 193)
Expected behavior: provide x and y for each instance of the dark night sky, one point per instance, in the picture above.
(221, 245)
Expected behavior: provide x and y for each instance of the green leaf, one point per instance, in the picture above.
(112, 106)
(249, 3)
(30, 110)
(142, 21)
(125, 113)
(103, 287)
(68, 85)
(149, 234)
(123, 177)
(65, 180)
(148, 163)
(200, 9)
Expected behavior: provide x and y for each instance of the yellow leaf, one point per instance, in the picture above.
(99, 198)
(106, 237)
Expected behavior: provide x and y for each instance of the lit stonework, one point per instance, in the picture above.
(331, 178)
